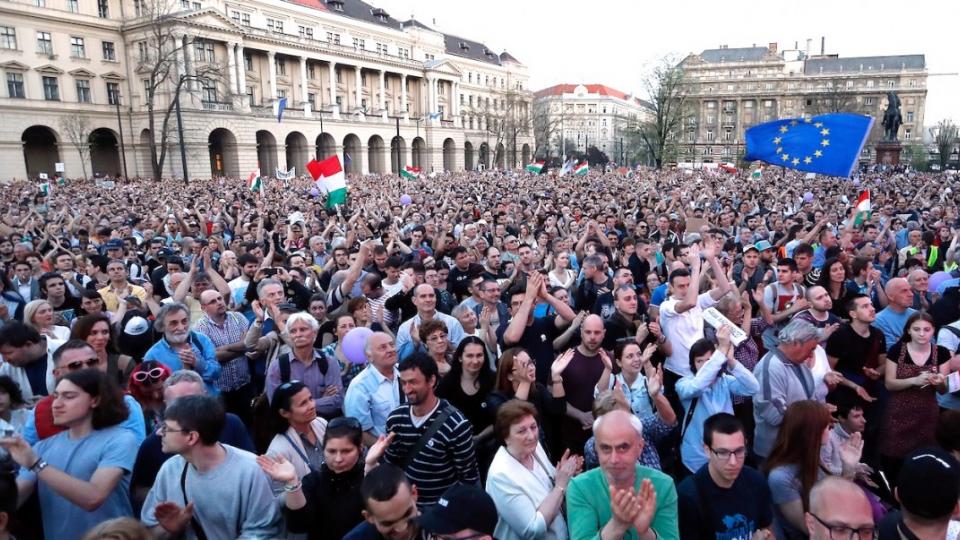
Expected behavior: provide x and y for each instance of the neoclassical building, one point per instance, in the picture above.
(733, 89)
(381, 92)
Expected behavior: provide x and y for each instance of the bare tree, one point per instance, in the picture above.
(506, 118)
(945, 140)
(546, 127)
(666, 92)
(162, 49)
(834, 97)
(76, 128)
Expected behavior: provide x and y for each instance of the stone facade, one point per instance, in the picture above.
(732, 89)
(382, 93)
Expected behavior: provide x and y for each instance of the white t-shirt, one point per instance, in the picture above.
(683, 330)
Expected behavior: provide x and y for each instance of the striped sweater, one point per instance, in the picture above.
(448, 458)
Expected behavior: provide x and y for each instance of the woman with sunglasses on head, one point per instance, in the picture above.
(98, 332)
(146, 386)
(297, 430)
(326, 503)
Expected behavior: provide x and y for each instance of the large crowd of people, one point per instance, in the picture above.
(665, 355)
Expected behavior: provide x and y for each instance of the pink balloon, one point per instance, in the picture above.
(405, 199)
(353, 344)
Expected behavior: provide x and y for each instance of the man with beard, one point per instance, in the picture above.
(447, 455)
(604, 305)
(182, 348)
(628, 317)
(238, 286)
(579, 380)
(819, 314)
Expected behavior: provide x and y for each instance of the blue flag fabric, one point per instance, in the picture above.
(281, 105)
(829, 144)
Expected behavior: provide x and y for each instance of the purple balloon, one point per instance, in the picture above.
(936, 280)
(314, 192)
(808, 197)
(353, 344)
(405, 199)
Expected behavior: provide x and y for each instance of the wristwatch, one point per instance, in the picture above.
(38, 466)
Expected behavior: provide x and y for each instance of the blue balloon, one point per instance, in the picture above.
(354, 343)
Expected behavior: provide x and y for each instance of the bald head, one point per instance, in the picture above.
(839, 502)
(899, 293)
(591, 334)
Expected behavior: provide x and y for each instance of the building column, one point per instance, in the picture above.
(455, 107)
(188, 66)
(431, 97)
(272, 74)
(333, 90)
(232, 67)
(242, 77)
(307, 106)
(403, 97)
(383, 95)
(359, 90)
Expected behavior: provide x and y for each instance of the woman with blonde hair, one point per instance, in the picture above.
(39, 315)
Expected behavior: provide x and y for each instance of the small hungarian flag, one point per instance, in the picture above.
(862, 210)
(581, 169)
(728, 167)
(255, 181)
(536, 167)
(410, 173)
(45, 188)
(329, 173)
(757, 173)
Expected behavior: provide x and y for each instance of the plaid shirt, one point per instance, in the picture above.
(235, 372)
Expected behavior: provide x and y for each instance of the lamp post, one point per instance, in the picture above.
(183, 149)
(123, 148)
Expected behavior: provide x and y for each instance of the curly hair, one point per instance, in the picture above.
(12, 389)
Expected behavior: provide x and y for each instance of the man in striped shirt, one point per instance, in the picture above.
(448, 456)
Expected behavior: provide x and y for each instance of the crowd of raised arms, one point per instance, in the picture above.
(678, 354)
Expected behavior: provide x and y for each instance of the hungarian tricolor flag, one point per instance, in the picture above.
(536, 167)
(728, 167)
(255, 182)
(581, 169)
(758, 173)
(862, 211)
(410, 173)
(328, 174)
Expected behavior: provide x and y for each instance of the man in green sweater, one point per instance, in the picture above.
(622, 499)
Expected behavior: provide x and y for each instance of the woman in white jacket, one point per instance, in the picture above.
(297, 428)
(526, 488)
(717, 375)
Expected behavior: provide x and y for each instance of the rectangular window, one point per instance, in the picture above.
(913, 82)
(312, 99)
(909, 116)
(281, 94)
(381, 48)
(196, 6)
(305, 32)
(146, 88)
(40, 3)
(245, 19)
(907, 134)
(142, 51)
(250, 96)
(73, 6)
(870, 84)
(235, 16)
(113, 93)
(248, 62)
(333, 38)
(311, 71)
(275, 25)
(138, 7)
(710, 135)
(209, 91)
(403, 53)
(15, 85)
(185, 4)
(51, 89)
(8, 37)
(204, 50)
(44, 43)
(339, 77)
(281, 66)
(868, 101)
(109, 53)
(359, 44)
(83, 91)
(103, 9)
(77, 48)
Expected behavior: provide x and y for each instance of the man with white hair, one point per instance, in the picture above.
(375, 392)
(784, 378)
(621, 498)
(182, 348)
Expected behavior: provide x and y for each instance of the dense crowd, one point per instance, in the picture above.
(676, 354)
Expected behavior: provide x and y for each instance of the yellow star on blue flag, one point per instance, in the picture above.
(829, 144)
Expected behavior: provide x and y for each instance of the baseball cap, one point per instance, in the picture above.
(763, 245)
(164, 252)
(749, 247)
(115, 243)
(929, 483)
(136, 326)
(461, 507)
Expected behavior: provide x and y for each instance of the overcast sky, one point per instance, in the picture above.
(613, 42)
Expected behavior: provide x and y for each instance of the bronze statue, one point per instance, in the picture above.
(891, 117)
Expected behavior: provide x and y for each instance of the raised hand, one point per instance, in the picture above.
(646, 503)
(655, 381)
(624, 507)
(278, 468)
(605, 358)
(568, 467)
(561, 363)
(376, 451)
(851, 451)
(172, 517)
(257, 310)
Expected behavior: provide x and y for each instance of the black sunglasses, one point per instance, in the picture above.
(347, 421)
(287, 385)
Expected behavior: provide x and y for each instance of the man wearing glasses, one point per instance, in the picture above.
(839, 510)
(75, 355)
(724, 499)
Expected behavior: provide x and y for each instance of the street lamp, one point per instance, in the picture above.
(123, 150)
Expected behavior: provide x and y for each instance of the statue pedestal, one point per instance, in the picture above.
(888, 152)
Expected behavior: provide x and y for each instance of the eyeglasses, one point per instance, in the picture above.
(346, 421)
(725, 454)
(80, 364)
(163, 430)
(154, 374)
(842, 532)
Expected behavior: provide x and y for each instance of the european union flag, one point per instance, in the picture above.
(829, 144)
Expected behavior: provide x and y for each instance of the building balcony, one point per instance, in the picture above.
(338, 49)
(217, 106)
